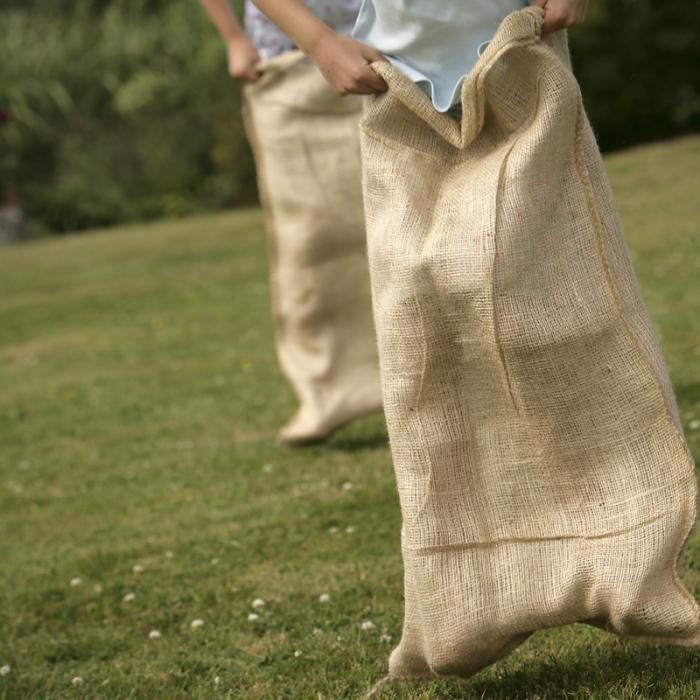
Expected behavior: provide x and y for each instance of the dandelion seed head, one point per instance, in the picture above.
(77, 681)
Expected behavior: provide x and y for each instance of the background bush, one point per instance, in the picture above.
(122, 109)
(637, 62)
(119, 111)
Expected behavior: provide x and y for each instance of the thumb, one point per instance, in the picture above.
(252, 74)
(372, 55)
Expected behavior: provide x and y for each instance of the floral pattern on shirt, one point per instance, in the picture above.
(270, 41)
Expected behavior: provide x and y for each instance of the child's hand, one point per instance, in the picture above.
(559, 14)
(345, 64)
(243, 58)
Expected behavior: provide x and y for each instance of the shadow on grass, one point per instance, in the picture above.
(619, 671)
(347, 442)
(368, 433)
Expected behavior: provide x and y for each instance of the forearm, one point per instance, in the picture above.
(223, 18)
(296, 21)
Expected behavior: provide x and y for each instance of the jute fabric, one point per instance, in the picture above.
(306, 145)
(541, 468)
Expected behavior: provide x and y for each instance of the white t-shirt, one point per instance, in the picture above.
(434, 43)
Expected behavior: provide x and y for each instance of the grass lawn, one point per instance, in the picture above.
(141, 488)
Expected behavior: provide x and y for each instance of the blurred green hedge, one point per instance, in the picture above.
(637, 63)
(122, 109)
(118, 113)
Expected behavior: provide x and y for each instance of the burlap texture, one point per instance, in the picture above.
(542, 472)
(306, 146)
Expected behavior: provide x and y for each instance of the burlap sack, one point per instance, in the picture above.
(306, 146)
(541, 468)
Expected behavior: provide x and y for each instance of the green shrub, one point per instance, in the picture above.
(119, 115)
(122, 109)
(637, 62)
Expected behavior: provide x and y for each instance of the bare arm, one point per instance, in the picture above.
(243, 57)
(343, 61)
(559, 14)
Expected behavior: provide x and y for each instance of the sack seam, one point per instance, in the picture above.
(458, 546)
(584, 177)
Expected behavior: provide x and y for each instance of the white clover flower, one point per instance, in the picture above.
(154, 634)
(347, 486)
(367, 625)
(252, 617)
(77, 681)
(324, 598)
(258, 603)
(196, 623)
(349, 529)
(129, 597)
(76, 581)
(97, 588)
(297, 654)
(137, 568)
(385, 638)
(4, 670)
(694, 424)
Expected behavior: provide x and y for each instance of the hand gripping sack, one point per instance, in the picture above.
(541, 468)
(306, 144)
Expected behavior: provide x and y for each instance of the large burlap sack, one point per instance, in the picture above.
(541, 468)
(306, 145)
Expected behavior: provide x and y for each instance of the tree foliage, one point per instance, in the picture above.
(122, 109)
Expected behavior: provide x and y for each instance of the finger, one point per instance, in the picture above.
(372, 55)
(553, 21)
(373, 81)
(252, 74)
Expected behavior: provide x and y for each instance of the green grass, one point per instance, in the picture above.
(139, 397)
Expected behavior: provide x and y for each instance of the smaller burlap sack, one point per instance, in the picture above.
(539, 458)
(305, 140)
